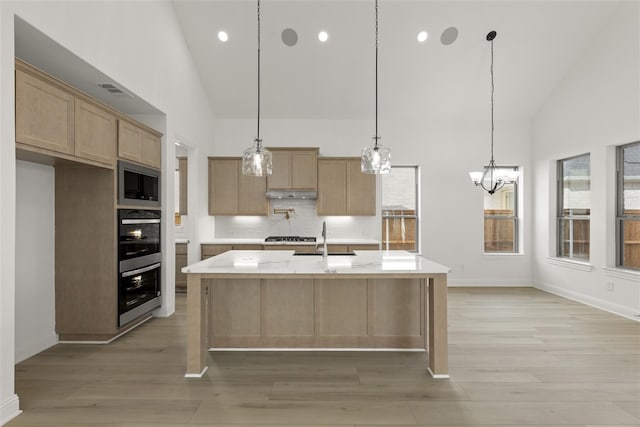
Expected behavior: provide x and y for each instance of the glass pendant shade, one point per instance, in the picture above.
(256, 160)
(375, 159)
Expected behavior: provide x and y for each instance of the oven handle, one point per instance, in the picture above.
(141, 270)
(140, 221)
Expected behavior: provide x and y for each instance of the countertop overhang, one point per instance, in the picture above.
(364, 264)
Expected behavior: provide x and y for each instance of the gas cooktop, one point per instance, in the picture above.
(289, 239)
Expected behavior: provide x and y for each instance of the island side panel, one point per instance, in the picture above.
(438, 342)
(197, 325)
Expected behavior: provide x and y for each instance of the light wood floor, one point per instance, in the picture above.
(518, 357)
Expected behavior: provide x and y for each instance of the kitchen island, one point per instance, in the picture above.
(277, 299)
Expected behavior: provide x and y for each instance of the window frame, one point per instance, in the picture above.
(515, 217)
(620, 216)
(416, 216)
(571, 218)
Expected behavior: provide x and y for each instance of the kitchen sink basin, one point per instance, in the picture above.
(320, 254)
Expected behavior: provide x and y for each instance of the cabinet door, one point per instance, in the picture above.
(364, 247)
(44, 115)
(281, 177)
(332, 188)
(304, 170)
(361, 190)
(252, 197)
(129, 141)
(223, 186)
(183, 170)
(95, 133)
(207, 251)
(151, 153)
(181, 261)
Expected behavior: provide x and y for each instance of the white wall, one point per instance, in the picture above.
(155, 64)
(35, 273)
(451, 206)
(595, 108)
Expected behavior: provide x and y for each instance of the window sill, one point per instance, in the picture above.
(622, 273)
(570, 263)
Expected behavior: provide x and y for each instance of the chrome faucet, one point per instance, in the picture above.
(324, 239)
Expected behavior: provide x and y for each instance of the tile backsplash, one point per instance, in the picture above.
(303, 222)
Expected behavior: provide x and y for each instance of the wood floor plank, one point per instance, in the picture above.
(518, 357)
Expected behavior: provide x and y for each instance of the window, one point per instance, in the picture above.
(629, 206)
(501, 218)
(400, 209)
(574, 207)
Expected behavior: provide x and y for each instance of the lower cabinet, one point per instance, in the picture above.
(181, 261)
(209, 250)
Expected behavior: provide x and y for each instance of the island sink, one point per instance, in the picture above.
(329, 254)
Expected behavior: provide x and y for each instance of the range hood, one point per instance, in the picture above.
(292, 194)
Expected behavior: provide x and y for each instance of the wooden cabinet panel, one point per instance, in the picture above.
(341, 310)
(207, 251)
(364, 247)
(288, 307)
(223, 186)
(95, 133)
(294, 169)
(332, 190)
(361, 190)
(231, 193)
(396, 308)
(304, 170)
(183, 170)
(252, 199)
(129, 141)
(343, 189)
(151, 150)
(181, 261)
(235, 308)
(281, 177)
(44, 115)
(338, 248)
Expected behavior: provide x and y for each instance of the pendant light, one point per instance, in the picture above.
(493, 178)
(376, 158)
(256, 160)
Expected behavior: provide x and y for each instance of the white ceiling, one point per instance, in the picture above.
(537, 43)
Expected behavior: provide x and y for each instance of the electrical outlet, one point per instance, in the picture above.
(610, 286)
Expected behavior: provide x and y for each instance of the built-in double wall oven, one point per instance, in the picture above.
(139, 262)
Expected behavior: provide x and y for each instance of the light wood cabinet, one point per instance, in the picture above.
(208, 250)
(231, 192)
(296, 248)
(181, 261)
(44, 114)
(95, 133)
(294, 169)
(183, 171)
(343, 189)
(138, 145)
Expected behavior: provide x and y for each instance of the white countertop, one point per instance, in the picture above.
(265, 263)
(330, 241)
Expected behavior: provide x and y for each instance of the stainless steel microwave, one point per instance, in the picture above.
(138, 185)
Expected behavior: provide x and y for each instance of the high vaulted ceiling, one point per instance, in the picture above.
(537, 44)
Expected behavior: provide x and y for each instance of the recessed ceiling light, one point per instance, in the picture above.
(323, 36)
(422, 36)
(223, 36)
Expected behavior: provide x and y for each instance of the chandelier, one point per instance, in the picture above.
(493, 178)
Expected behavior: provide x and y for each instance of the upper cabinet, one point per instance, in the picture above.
(55, 120)
(231, 192)
(294, 169)
(138, 145)
(95, 133)
(44, 114)
(343, 189)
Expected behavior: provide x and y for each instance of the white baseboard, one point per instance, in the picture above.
(601, 304)
(32, 348)
(9, 409)
(490, 283)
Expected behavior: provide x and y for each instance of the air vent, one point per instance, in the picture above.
(113, 89)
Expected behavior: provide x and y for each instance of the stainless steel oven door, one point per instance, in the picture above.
(139, 238)
(138, 293)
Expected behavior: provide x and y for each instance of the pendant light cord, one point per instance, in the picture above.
(258, 137)
(376, 138)
(492, 90)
